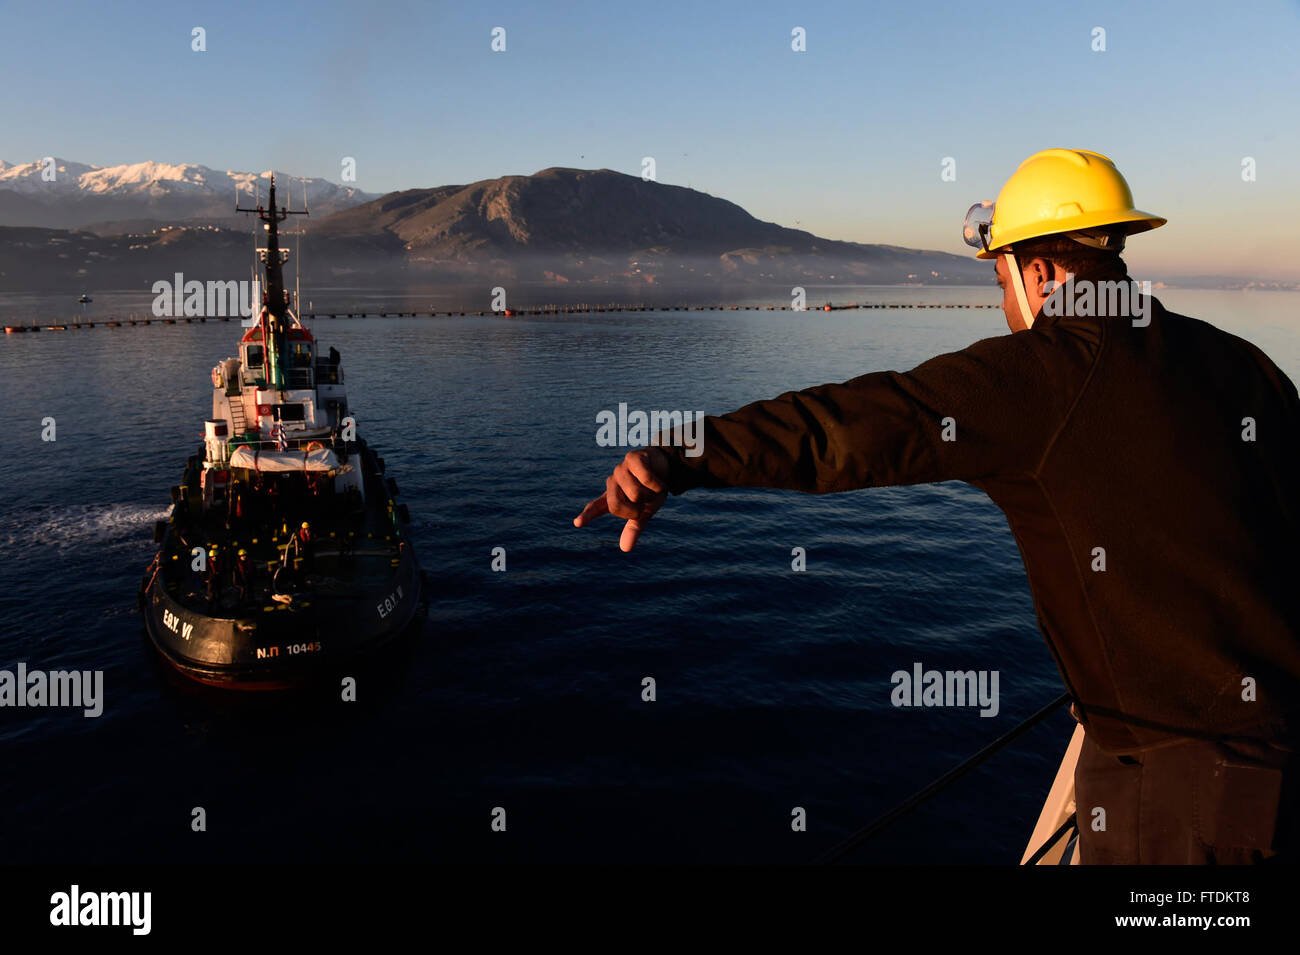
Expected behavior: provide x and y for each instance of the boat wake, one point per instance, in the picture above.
(67, 529)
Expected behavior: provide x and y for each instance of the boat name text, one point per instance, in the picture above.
(390, 602)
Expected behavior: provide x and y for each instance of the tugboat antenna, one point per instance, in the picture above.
(272, 256)
(297, 266)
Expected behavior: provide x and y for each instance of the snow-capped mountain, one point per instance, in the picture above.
(65, 194)
(26, 177)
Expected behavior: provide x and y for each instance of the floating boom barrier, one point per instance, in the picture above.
(116, 322)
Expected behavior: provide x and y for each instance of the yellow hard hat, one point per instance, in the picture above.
(242, 552)
(1056, 191)
(304, 524)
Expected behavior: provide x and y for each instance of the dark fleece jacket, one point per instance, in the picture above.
(1173, 446)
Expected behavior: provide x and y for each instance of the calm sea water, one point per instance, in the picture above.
(522, 689)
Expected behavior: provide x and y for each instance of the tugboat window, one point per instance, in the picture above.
(253, 356)
(294, 412)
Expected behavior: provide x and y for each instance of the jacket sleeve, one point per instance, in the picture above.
(992, 408)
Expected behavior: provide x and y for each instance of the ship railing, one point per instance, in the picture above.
(328, 374)
(843, 848)
(299, 378)
(270, 444)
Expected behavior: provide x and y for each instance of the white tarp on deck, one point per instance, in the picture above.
(320, 460)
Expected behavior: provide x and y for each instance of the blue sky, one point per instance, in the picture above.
(845, 140)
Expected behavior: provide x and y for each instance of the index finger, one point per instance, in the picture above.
(598, 507)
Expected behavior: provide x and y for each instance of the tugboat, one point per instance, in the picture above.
(284, 555)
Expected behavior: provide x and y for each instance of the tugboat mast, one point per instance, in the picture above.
(275, 316)
(276, 300)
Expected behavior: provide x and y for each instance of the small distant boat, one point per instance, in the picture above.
(85, 299)
(15, 329)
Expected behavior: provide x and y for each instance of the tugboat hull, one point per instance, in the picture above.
(276, 646)
(364, 590)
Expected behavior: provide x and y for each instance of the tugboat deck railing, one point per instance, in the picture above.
(292, 443)
(298, 378)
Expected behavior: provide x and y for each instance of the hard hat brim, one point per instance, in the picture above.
(1135, 219)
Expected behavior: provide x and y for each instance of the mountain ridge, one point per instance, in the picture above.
(562, 216)
(81, 195)
(559, 225)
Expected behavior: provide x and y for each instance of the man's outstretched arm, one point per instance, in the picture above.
(988, 409)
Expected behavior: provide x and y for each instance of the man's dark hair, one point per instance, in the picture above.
(1097, 265)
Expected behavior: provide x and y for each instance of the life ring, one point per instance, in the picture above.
(315, 446)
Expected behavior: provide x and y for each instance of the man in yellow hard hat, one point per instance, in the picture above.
(1147, 464)
(305, 546)
(214, 575)
(243, 574)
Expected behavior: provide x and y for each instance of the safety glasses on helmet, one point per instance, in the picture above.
(979, 220)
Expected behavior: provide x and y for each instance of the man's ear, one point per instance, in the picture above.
(1038, 272)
